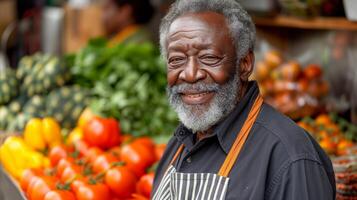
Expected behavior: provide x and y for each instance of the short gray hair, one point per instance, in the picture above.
(240, 24)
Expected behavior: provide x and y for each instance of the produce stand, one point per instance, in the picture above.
(93, 128)
(324, 44)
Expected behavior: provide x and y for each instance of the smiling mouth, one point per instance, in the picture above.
(194, 98)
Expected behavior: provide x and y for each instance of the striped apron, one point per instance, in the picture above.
(205, 186)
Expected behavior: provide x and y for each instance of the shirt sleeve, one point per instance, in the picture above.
(301, 180)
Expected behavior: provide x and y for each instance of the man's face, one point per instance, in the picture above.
(201, 71)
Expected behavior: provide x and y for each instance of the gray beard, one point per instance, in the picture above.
(201, 117)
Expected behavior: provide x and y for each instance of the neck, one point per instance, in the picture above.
(203, 134)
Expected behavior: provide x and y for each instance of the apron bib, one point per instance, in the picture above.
(205, 186)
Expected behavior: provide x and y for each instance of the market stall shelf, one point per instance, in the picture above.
(323, 23)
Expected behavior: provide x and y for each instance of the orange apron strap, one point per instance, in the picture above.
(178, 152)
(242, 137)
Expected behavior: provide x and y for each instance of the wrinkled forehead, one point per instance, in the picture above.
(192, 23)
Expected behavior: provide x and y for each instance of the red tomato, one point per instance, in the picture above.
(159, 151)
(137, 157)
(40, 186)
(78, 182)
(312, 71)
(121, 181)
(146, 141)
(71, 172)
(93, 153)
(95, 132)
(144, 185)
(62, 164)
(103, 162)
(60, 195)
(138, 197)
(97, 191)
(28, 175)
(101, 132)
(114, 131)
(56, 154)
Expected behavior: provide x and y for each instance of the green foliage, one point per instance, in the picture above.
(128, 82)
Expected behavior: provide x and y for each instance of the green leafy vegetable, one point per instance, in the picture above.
(128, 82)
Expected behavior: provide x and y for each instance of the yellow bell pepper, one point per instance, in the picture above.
(16, 156)
(51, 131)
(8, 162)
(33, 134)
(46, 162)
(18, 149)
(34, 159)
(40, 134)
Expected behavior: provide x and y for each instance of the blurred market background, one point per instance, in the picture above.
(69, 66)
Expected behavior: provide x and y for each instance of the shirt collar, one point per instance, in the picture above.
(227, 129)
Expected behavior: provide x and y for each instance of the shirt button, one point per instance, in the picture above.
(188, 160)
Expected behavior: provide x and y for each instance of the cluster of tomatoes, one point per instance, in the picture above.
(103, 165)
(292, 88)
(328, 133)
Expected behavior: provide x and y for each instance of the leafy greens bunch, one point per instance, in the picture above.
(128, 83)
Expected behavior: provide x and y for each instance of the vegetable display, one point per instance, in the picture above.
(38, 89)
(128, 83)
(334, 134)
(48, 167)
(293, 89)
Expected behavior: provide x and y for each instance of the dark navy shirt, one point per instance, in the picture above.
(279, 161)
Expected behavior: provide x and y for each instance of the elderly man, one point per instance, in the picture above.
(230, 145)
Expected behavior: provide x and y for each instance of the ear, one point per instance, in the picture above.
(246, 66)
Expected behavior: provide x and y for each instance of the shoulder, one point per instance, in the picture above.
(295, 151)
(295, 142)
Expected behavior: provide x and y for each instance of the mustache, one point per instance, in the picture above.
(199, 87)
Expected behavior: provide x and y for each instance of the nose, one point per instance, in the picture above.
(192, 72)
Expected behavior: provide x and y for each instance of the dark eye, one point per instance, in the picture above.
(176, 61)
(210, 59)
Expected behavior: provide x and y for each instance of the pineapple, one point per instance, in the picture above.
(36, 106)
(5, 117)
(66, 104)
(46, 73)
(8, 86)
(18, 123)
